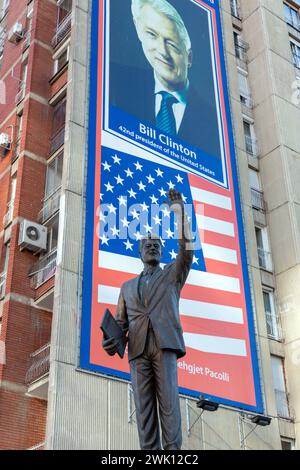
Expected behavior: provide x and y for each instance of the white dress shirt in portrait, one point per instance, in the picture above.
(178, 108)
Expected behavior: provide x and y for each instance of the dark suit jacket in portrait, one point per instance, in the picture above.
(132, 90)
(160, 309)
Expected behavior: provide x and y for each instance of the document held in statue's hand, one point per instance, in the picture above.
(112, 329)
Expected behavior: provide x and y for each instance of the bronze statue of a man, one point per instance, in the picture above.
(148, 310)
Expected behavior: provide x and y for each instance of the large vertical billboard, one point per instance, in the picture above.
(160, 119)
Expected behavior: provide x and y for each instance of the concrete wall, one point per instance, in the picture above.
(277, 117)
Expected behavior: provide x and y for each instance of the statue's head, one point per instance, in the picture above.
(151, 250)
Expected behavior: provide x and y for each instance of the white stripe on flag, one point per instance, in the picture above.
(219, 253)
(224, 313)
(215, 225)
(196, 278)
(215, 344)
(192, 308)
(213, 199)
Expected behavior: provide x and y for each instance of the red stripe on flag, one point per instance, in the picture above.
(218, 239)
(214, 296)
(207, 186)
(219, 267)
(207, 327)
(215, 212)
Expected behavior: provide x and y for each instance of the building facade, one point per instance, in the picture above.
(46, 401)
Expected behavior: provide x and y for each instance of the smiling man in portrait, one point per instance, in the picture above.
(161, 92)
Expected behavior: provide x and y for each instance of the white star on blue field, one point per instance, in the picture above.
(133, 200)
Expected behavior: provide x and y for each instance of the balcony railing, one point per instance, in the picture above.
(265, 259)
(8, 218)
(62, 30)
(274, 326)
(251, 146)
(257, 198)
(2, 284)
(241, 49)
(51, 206)
(43, 270)
(282, 404)
(247, 105)
(39, 364)
(57, 141)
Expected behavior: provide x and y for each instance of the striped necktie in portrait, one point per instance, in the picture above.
(165, 119)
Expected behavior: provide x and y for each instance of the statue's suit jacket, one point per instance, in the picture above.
(161, 308)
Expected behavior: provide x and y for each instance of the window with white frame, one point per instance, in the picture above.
(280, 387)
(263, 249)
(54, 175)
(250, 139)
(245, 93)
(272, 319)
(53, 234)
(61, 59)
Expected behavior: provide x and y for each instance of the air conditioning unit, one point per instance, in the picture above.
(32, 237)
(16, 33)
(5, 141)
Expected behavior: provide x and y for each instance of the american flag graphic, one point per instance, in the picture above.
(212, 303)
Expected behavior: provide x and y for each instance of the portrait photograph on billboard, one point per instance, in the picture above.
(159, 120)
(141, 73)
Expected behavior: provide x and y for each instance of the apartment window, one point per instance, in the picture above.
(10, 206)
(263, 249)
(244, 85)
(64, 9)
(280, 387)
(54, 175)
(241, 48)
(235, 9)
(2, 42)
(295, 47)
(61, 59)
(29, 20)
(250, 139)
(292, 16)
(257, 196)
(22, 86)
(273, 322)
(4, 8)
(4, 271)
(52, 189)
(58, 125)
(287, 444)
(53, 234)
(19, 135)
(63, 21)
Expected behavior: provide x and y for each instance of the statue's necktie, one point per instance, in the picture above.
(165, 119)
